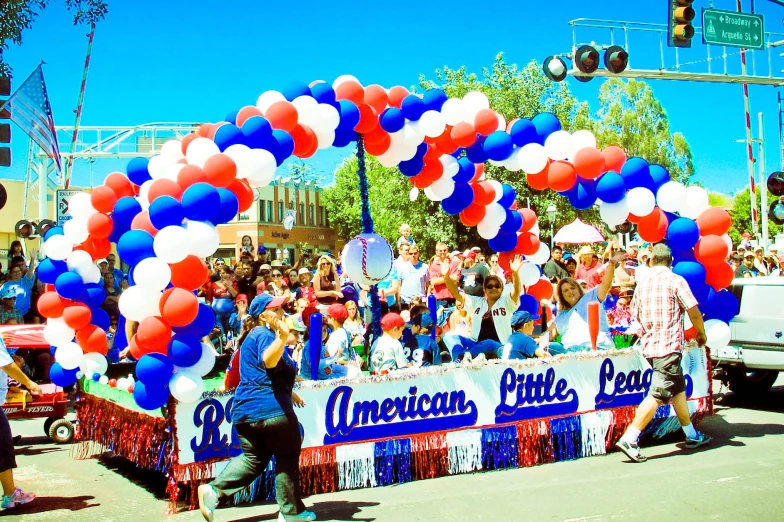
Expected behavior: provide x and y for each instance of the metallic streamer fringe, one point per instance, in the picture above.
(465, 451)
(566, 433)
(499, 447)
(393, 461)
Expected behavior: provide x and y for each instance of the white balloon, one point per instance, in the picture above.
(532, 158)
(330, 117)
(453, 111)
(158, 164)
(535, 231)
(473, 102)
(671, 197)
(413, 133)
(512, 163)
(206, 362)
(499, 191)
(93, 363)
(152, 273)
(144, 191)
(122, 384)
(203, 238)
(728, 241)
(718, 334)
(344, 78)
(413, 194)
(265, 100)
(529, 274)
(69, 355)
(542, 255)
(501, 121)
(80, 206)
(451, 166)
(388, 159)
(432, 124)
(559, 145)
(199, 151)
(186, 385)
(75, 229)
(696, 202)
(137, 303)
(487, 230)
(91, 275)
(442, 188)
(171, 244)
(80, 262)
(172, 149)
(104, 379)
(495, 214)
(263, 170)
(583, 139)
(307, 110)
(614, 213)
(58, 247)
(641, 201)
(325, 137)
(242, 157)
(58, 333)
(173, 171)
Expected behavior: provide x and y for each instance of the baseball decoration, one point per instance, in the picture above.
(367, 259)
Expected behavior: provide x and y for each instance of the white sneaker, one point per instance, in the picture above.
(480, 358)
(208, 501)
(467, 358)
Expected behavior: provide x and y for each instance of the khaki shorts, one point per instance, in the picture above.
(668, 380)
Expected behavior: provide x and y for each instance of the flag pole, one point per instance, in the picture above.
(79, 105)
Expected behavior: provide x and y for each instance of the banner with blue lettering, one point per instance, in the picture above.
(442, 398)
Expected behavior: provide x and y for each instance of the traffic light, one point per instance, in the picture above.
(616, 59)
(776, 184)
(5, 124)
(30, 229)
(680, 29)
(555, 68)
(586, 59)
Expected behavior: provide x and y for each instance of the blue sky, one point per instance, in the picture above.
(172, 60)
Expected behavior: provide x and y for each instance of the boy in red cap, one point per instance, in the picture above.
(388, 353)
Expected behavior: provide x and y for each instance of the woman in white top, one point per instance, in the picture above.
(572, 319)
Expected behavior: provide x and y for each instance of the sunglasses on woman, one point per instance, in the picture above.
(277, 274)
(325, 264)
(493, 287)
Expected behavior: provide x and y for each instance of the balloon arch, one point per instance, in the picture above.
(162, 214)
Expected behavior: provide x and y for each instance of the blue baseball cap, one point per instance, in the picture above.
(425, 320)
(262, 249)
(265, 302)
(521, 317)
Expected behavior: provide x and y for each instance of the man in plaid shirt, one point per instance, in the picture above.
(658, 305)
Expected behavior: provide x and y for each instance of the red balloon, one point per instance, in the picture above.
(92, 339)
(179, 307)
(244, 193)
(204, 130)
(421, 180)
(511, 124)
(635, 219)
(350, 90)
(396, 96)
(433, 170)
(190, 273)
(99, 225)
(486, 122)
(714, 221)
(542, 289)
(141, 221)
(120, 184)
(444, 142)
(214, 129)
(377, 135)
(711, 250)
(221, 171)
(164, 187)
(614, 158)
(376, 97)
(479, 172)
(153, 335)
(472, 215)
(589, 163)
(97, 248)
(718, 276)
(282, 115)
(190, 175)
(303, 137)
(653, 227)
(77, 316)
(504, 259)
(247, 112)
(539, 180)
(483, 193)
(527, 244)
(378, 148)
(368, 119)
(134, 348)
(187, 141)
(463, 134)
(103, 199)
(113, 382)
(529, 219)
(561, 176)
(51, 305)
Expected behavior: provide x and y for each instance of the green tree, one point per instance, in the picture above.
(741, 215)
(18, 15)
(632, 117)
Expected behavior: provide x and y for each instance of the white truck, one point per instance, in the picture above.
(754, 357)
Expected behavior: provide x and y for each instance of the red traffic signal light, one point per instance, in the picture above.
(616, 59)
(680, 29)
(776, 184)
(586, 59)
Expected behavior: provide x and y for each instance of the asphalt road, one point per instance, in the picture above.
(739, 477)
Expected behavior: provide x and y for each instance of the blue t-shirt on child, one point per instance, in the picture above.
(518, 346)
(430, 352)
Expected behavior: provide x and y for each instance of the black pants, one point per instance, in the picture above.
(278, 436)
(7, 454)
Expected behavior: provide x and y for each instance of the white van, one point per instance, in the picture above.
(755, 355)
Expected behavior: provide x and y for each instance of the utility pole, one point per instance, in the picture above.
(750, 154)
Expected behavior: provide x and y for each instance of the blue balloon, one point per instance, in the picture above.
(411, 167)
(150, 397)
(60, 376)
(583, 194)
(683, 234)
(100, 318)
(610, 187)
(285, 146)
(523, 132)
(154, 369)
(135, 246)
(49, 270)
(707, 299)
(503, 242)
(344, 136)
(513, 221)
(185, 350)
(258, 133)
(693, 272)
(727, 306)
(545, 123)
(124, 211)
(295, 90)
(412, 107)
(94, 295)
(53, 231)
(200, 202)
(508, 196)
(610, 301)
(498, 146)
(166, 211)
(530, 304)
(659, 175)
(636, 173)
(69, 285)
(349, 115)
(228, 135)
(682, 255)
(137, 170)
(323, 92)
(461, 199)
(392, 120)
(232, 117)
(434, 99)
(422, 149)
(476, 153)
(466, 172)
(229, 206)
(201, 326)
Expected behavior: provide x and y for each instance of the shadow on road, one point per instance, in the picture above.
(773, 401)
(330, 510)
(43, 504)
(152, 481)
(30, 451)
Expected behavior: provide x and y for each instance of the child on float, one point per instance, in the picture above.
(339, 344)
(387, 353)
(422, 348)
(328, 367)
(521, 344)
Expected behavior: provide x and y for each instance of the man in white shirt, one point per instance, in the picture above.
(414, 276)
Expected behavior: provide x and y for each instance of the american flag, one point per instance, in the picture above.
(30, 110)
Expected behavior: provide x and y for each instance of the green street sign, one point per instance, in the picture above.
(732, 29)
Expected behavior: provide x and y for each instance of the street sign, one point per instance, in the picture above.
(63, 197)
(732, 29)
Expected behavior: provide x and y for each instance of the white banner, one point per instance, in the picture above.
(443, 399)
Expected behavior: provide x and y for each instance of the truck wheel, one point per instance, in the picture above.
(751, 383)
(48, 424)
(61, 431)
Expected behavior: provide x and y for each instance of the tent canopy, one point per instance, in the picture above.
(577, 232)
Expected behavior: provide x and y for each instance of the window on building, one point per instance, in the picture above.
(312, 215)
(301, 214)
(268, 215)
(280, 211)
(326, 217)
(322, 217)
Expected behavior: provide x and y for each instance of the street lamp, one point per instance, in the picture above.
(551, 213)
